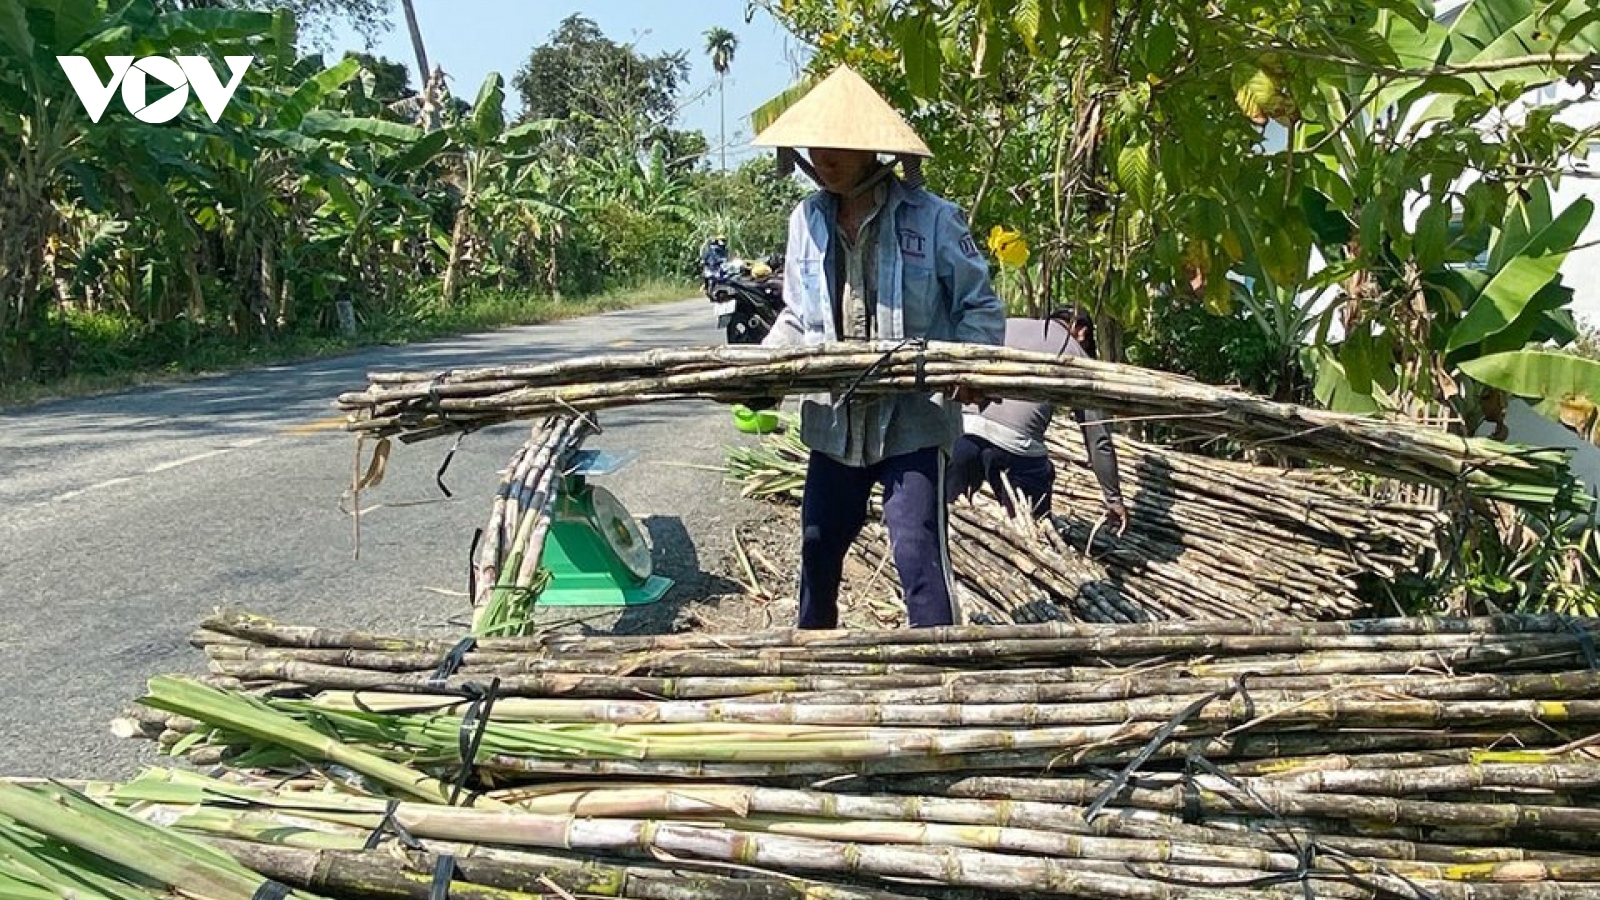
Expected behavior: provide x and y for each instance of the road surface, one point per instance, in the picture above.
(125, 519)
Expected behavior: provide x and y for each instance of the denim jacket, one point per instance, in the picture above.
(933, 283)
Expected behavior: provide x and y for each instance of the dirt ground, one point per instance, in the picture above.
(765, 559)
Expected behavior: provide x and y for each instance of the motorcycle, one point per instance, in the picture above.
(746, 298)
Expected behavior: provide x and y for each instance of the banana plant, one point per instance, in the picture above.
(489, 159)
(1480, 319)
(1429, 198)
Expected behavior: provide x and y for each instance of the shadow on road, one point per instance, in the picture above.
(674, 555)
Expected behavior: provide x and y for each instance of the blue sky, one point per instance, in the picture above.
(471, 38)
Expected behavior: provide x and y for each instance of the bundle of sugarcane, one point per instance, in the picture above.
(507, 577)
(1210, 539)
(435, 403)
(734, 842)
(1414, 758)
(880, 678)
(57, 843)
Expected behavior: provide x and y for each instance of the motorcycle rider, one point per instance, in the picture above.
(872, 256)
(712, 258)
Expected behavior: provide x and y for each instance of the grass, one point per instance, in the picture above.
(110, 355)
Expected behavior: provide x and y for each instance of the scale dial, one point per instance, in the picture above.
(620, 533)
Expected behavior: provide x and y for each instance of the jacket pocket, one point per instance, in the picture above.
(919, 297)
(810, 268)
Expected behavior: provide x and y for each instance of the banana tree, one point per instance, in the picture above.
(488, 160)
(1414, 181)
(48, 146)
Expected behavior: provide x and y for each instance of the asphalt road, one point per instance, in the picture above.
(125, 519)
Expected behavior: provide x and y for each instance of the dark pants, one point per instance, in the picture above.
(834, 510)
(975, 461)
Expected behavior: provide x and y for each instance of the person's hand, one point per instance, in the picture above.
(967, 396)
(761, 404)
(1117, 514)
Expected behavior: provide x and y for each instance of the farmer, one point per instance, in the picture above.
(875, 257)
(1004, 442)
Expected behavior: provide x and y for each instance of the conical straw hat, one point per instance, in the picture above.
(845, 113)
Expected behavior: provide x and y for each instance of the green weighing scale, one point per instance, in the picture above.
(595, 553)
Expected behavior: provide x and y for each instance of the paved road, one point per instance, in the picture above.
(124, 519)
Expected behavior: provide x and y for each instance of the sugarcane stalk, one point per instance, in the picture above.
(1219, 796)
(1386, 447)
(1349, 707)
(262, 723)
(261, 630)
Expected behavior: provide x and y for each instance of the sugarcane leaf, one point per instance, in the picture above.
(188, 742)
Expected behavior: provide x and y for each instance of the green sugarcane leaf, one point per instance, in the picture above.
(188, 742)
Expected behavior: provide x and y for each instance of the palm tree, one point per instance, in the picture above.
(721, 45)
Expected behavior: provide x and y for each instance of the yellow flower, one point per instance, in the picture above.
(1008, 246)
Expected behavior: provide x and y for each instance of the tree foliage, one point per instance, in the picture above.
(1191, 150)
(587, 81)
(314, 192)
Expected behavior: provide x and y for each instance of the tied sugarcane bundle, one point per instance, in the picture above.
(1211, 539)
(587, 840)
(507, 577)
(57, 843)
(1404, 758)
(427, 404)
(1034, 691)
